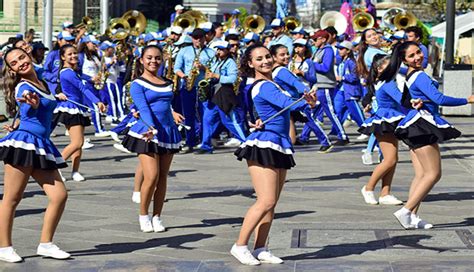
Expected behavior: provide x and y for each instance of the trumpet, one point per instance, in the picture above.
(86, 22)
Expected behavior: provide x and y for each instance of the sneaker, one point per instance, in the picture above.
(186, 150)
(114, 123)
(244, 257)
(158, 224)
(145, 224)
(114, 136)
(404, 218)
(420, 223)
(87, 145)
(342, 142)
(52, 251)
(109, 119)
(347, 123)
(76, 176)
(233, 142)
(66, 133)
(362, 137)
(369, 196)
(136, 197)
(325, 149)
(8, 254)
(367, 158)
(265, 256)
(121, 148)
(389, 200)
(102, 134)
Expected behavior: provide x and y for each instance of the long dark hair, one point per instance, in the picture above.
(62, 51)
(374, 76)
(88, 53)
(10, 81)
(361, 66)
(307, 52)
(139, 65)
(274, 48)
(245, 69)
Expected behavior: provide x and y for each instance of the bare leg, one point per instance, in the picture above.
(74, 148)
(292, 131)
(149, 164)
(418, 176)
(50, 181)
(389, 146)
(160, 192)
(16, 178)
(265, 182)
(263, 228)
(430, 160)
(137, 183)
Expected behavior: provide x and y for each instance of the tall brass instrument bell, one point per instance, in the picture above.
(404, 20)
(362, 21)
(118, 29)
(291, 22)
(87, 23)
(254, 23)
(186, 22)
(389, 16)
(335, 19)
(198, 16)
(136, 20)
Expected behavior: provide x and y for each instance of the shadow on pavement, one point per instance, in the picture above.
(29, 194)
(349, 175)
(121, 248)
(341, 250)
(453, 196)
(236, 220)
(466, 223)
(112, 158)
(249, 193)
(19, 213)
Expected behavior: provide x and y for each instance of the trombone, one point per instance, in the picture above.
(87, 23)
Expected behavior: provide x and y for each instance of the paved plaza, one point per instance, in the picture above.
(322, 222)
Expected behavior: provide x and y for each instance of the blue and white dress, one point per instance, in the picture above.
(271, 145)
(29, 145)
(388, 114)
(67, 112)
(153, 102)
(425, 126)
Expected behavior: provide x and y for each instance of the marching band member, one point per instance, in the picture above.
(222, 75)
(422, 130)
(52, 62)
(19, 150)
(114, 67)
(298, 33)
(72, 90)
(192, 59)
(90, 62)
(279, 36)
(154, 137)
(268, 152)
(38, 54)
(324, 66)
(249, 39)
(179, 9)
(415, 34)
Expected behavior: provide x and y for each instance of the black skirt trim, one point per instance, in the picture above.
(28, 158)
(68, 119)
(265, 157)
(379, 129)
(142, 147)
(422, 133)
(298, 117)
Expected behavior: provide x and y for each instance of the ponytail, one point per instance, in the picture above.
(10, 81)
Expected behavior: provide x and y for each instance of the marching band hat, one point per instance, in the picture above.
(39, 45)
(68, 24)
(198, 33)
(106, 45)
(65, 35)
(183, 39)
(206, 26)
(299, 30)
(153, 36)
(178, 7)
(345, 44)
(232, 31)
(320, 33)
(251, 37)
(19, 36)
(176, 30)
(398, 35)
(302, 42)
(277, 23)
(356, 40)
(235, 12)
(221, 45)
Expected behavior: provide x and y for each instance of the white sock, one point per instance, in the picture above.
(259, 250)
(157, 217)
(144, 217)
(6, 249)
(405, 210)
(46, 245)
(240, 248)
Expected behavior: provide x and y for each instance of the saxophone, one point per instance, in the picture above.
(204, 84)
(239, 78)
(132, 76)
(103, 74)
(193, 74)
(170, 72)
(293, 64)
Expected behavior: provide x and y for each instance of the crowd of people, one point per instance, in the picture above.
(178, 90)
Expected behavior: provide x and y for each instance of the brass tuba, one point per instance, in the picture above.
(389, 16)
(335, 19)
(136, 21)
(291, 22)
(362, 21)
(198, 16)
(118, 29)
(404, 19)
(186, 22)
(254, 23)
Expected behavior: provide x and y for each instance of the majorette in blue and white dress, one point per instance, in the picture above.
(425, 126)
(67, 112)
(29, 145)
(153, 103)
(271, 145)
(388, 114)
